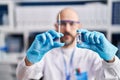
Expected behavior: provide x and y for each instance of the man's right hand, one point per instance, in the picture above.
(42, 44)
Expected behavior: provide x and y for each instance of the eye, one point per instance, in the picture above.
(63, 23)
(72, 23)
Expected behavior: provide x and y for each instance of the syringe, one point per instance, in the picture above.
(59, 23)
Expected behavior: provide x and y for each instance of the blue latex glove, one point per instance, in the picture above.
(42, 44)
(97, 42)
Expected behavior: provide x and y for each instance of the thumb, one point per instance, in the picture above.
(58, 44)
(83, 45)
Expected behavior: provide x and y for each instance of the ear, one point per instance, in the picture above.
(56, 27)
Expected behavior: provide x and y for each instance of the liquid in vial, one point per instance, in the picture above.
(79, 38)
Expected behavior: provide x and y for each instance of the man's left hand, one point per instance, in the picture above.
(97, 42)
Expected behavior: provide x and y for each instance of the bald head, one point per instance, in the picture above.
(68, 14)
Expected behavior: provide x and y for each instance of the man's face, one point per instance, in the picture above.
(68, 28)
(68, 25)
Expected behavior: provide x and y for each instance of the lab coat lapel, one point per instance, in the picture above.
(59, 61)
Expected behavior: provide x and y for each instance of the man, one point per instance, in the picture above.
(92, 59)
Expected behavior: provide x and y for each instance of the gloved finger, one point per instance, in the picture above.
(55, 34)
(49, 38)
(58, 44)
(103, 38)
(41, 38)
(91, 38)
(97, 37)
(86, 37)
(83, 45)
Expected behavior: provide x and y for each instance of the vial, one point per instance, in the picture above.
(79, 38)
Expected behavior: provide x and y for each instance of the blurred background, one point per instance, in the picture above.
(21, 20)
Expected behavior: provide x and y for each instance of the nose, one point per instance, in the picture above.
(67, 27)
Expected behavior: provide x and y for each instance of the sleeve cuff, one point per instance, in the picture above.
(24, 65)
(115, 63)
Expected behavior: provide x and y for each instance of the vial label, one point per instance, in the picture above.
(79, 38)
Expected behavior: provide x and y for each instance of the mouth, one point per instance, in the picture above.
(67, 36)
(67, 39)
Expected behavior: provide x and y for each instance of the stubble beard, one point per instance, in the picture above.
(68, 42)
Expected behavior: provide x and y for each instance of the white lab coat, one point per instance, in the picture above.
(51, 67)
